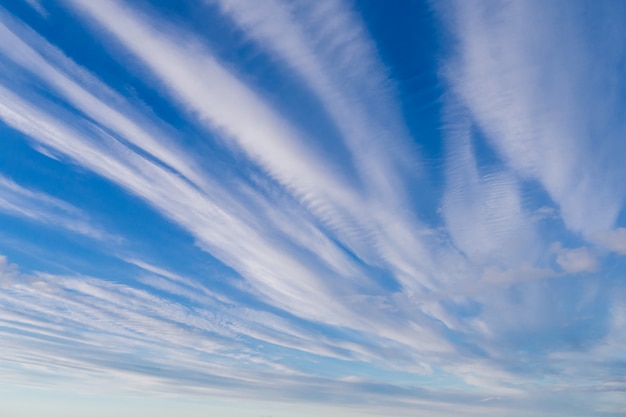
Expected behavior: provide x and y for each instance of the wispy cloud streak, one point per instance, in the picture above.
(375, 232)
(533, 78)
(21, 202)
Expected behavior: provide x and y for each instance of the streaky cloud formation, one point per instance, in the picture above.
(246, 206)
(35, 206)
(545, 116)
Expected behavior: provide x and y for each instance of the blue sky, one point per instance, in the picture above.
(254, 208)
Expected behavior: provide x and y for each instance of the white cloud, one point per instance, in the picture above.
(533, 79)
(120, 335)
(328, 47)
(576, 260)
(483, 212)
(36, 206)
(269, 267)
(87, 94)
(375, 228)
(8, 272)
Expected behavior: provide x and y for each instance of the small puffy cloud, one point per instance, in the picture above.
(8, 272)
(544, 213)
(613, 240)
(575, 260)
